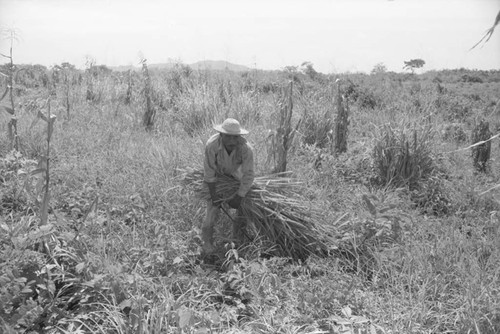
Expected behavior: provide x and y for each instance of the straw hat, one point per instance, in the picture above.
(231, 127)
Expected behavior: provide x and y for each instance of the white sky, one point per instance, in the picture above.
(335, 35)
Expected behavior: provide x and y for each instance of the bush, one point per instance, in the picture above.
(13, 171)
(316, 131)
(363, 96)
(432, 196)
(471, 78)
(194, 111)
(317, 125)
(454, 107)
(367, 99)
(454, 132)
(402, 157)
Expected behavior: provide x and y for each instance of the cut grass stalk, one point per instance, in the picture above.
(277, 211)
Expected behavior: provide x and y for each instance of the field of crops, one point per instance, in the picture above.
(99, 233)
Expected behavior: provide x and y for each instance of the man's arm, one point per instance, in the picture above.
(209, 169)
(247, 168)
(210, 175)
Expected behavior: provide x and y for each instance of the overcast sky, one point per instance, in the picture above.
(335, 35)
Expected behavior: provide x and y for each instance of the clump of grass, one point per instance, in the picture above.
(195, 109)
(402, 156)
(316, 130)
(277, 211)
(446, 277)
(454, 132)
(317, 119)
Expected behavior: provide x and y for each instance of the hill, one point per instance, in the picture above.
(218, 65)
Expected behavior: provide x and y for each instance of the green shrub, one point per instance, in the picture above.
(454, 132)
(316, 130)
(403, 157)
(454, 108)
(14, 168)
(365, 98)
(195, 110)
(432, 197)
(471, 78)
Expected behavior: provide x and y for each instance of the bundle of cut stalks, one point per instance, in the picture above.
(279, 214)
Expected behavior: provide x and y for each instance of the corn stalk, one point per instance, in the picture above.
(64, 75)
(67, 88)
(150, 112)
(12, 125)
(91, 96)
(285, 133)
(128, 96)
(341, 123)
(44, 164)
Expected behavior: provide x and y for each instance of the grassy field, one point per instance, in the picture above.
(417, 226)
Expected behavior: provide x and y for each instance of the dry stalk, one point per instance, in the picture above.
(12, 125)
(43, 165)
(341, 123)
(150, 112)
(67, 93)
(481, 153)
(128, 96)
(91, 95)
(285, 132)
(64, 74)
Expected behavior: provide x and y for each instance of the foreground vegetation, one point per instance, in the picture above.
(417, 225)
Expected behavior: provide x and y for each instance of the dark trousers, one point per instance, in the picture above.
(212, 216)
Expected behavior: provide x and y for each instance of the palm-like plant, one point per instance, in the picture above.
(489, 32)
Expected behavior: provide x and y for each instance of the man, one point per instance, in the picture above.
(226, 153)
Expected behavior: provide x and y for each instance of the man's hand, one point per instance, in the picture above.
(217, 201)
(235, 201)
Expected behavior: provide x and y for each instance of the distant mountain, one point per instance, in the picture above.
(218, 65)
(161, 66)
(123, 68)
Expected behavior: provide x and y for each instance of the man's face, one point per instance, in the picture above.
(230, 141)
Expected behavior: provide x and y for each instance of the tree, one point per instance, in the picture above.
(413, 64)
(290, 69)
(308, 69)
(293, 73)
(379, 68)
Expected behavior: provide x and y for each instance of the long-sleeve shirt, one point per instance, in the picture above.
(238, 164)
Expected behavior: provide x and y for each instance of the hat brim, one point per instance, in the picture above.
(221, 130)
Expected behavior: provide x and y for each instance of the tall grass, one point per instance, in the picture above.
(403, 155)
(123, 245)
